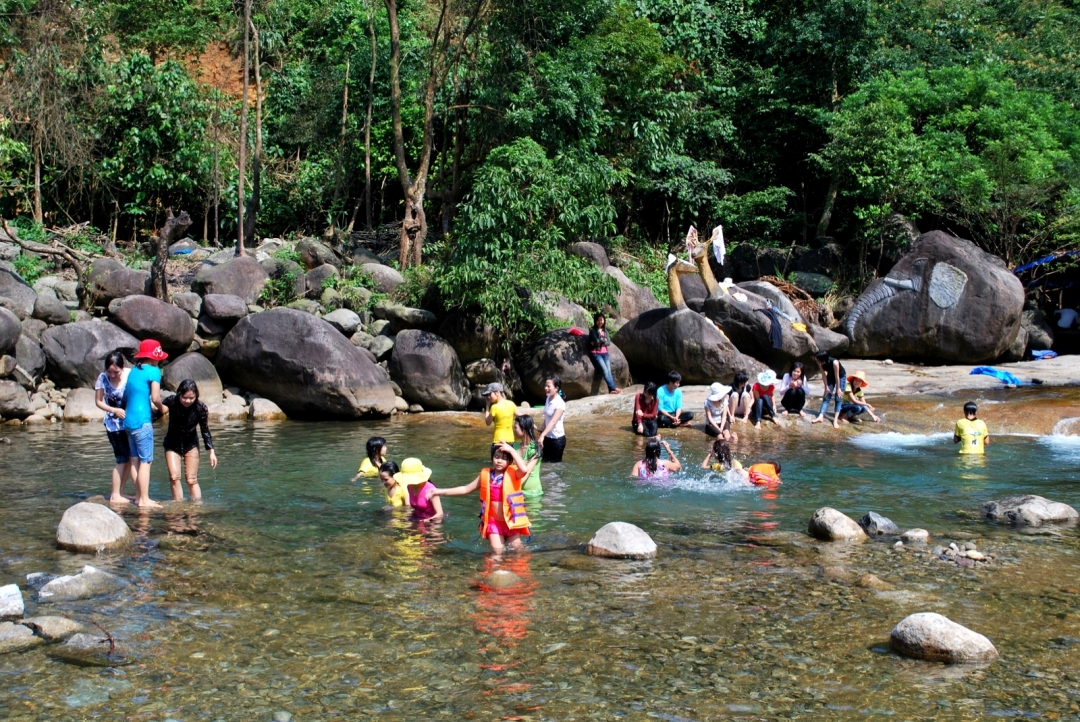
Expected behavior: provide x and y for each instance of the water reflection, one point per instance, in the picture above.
(504, 600)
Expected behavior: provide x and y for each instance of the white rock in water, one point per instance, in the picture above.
(936, 638)
(829, 524)
(15, 637)
(915, 535)
(11, 602)
(91, 528)
(90, 582)
(1029, 510)
(621, 541)
(52, 628)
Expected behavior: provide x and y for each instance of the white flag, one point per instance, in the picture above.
(718, 244)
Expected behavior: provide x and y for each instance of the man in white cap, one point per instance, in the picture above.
(500, 411)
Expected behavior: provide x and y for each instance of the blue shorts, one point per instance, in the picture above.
(141, 441)
(121, 449)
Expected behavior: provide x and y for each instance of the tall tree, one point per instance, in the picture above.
(240, 191)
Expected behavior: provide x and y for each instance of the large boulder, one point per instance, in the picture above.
(17, 291)
(831, 342)
(312, 284)
(386, 279)
(428, 371)
(831, 525)
(668, 339)
(620, 540)
(946, 301)
(81, 406)
(88, 527)
(224, 308)
(14, 401)
(148, 317)
(634, 300)
(10, 330)
(471, 338)
(110, 279)
(1029, 510)
(591, 252)
(567, 356)
(305, 366)
(314, 253)
(50, 309)
(76, 351)
(1040, 336)
(29, 360)
(779, 298)
(190, 303)
(935, 638)
(748, 326)
(241, 276)
(197, 367)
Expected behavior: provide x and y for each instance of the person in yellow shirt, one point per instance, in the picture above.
(396, 493)
(376, 457)
(500, 411)
(971, 432)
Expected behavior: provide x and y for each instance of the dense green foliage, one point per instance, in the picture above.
(619, 121)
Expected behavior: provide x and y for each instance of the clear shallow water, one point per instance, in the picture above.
(291, 589)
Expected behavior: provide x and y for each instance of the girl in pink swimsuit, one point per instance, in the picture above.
(414, 475)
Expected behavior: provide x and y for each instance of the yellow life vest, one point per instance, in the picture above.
(513, 501)
(972, 436)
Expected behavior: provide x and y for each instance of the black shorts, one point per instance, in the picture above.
(120, 447)
(553, 449)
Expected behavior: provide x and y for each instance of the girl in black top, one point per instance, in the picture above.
(186, 413)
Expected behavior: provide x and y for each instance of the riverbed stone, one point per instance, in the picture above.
(50, 309)
(224, 308)
(81, 407)
(875, 524)
(14, 401)
(936, 638)
(29, 361)
(471, 338)
(1029, 510)
(52, 628)
(920, 536)
(16, 637)
(88, 650)
(87, 527)
(197, 367)
(381, 347)
(402, 318)
(305, 366)
(502, 579)
(11, 602)
(620, 540)
(90, 582)
(75, 352)
(240, 276)
(188, 302)
(428, 371)
(148, 317)
(314, 253)
(829, 524)
(343, 320)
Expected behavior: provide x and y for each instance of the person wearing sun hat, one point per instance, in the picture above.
(763, 397)
(141, 396)
(855, 402)
(718, 411)
(416, 478)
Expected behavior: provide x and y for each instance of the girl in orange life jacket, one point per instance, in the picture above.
(765, 473)
(502, 513)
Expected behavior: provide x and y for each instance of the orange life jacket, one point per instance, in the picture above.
(513, 501)
(764, 474)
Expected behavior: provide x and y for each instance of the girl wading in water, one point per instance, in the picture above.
(142, 395)
(186, 415)
(109, 389)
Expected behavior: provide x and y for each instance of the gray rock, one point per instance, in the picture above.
(81, 407)
(304, 365)
(748, 327)
(815, 284)
(52, 628)
(567, 356)
(313, 281)
(88, 650)
(36, 580)
(1040, 335)
(68, 292)
(14, 401)
(308, 306)
(16, 637)
(147, 317)
(360, 256)
(11, 602)
(90, 582)
(51, 310)
(936, 638)
(88, 527)
(10, 330)
(484, 372)
(240, 276)
(502, 579)
(875, 524)
(1029, 510)
(831, 525)
(110, 279)
(620, 540)
(189, 303)
(634, 300)
(197, 367)
(314, 253)
(343, 320)
(380, 328)
(913, 536)
(471, 338)
(402, 318)
(361, 339)
(428, 371)
(29, 360)
(224, 309)
(591, 252)
(562, 310)
(381, 347)
(774, 294)
(386, 279)
(7, 365)
(76, 351)
(31, 327)
(18, 292)
(330, 298)
(265, 410)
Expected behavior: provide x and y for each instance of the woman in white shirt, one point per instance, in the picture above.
(553, 437)
(718, 411)
(794, 390)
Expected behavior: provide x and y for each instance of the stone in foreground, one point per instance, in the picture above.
(920, 536)
(875, 524)
(91, 528)
(1029, 510)
(619, 540)
(90, 582)
(828, 524)
(52, 628)
(89, 650)
(16, 637)
(936, 638)
(11, 602)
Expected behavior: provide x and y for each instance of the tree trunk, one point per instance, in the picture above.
(38, 215)
(830, 201)
(367, 120)
(174, 228)
(331, 232)
(243, 134)
(251, 214)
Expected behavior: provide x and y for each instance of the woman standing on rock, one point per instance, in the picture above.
(109, 388)
(598, 351)
(186, 413)
(141, 395)
(553, 437)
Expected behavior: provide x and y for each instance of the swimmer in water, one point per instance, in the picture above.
(376, 457)
(971, 432)
(719, 457)
(652, 466)
(396, 493)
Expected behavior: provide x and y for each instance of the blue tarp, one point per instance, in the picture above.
(1003, 376)
(1041, 261)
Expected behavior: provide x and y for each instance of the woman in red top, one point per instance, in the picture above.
(763, 397)
(645, 411)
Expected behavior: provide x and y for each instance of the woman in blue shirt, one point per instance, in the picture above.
(141, 395)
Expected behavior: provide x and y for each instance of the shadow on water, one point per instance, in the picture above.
(292, 589)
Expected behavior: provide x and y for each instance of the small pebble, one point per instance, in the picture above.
(282, 716)
(898, 544)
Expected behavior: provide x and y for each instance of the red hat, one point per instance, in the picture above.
(151, 349)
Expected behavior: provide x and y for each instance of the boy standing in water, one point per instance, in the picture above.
(971, 432)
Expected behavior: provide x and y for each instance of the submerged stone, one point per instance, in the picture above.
(89, 650)
(52, 628)
(621, 541)
(90, 582)
(15, 638)
(937, 638)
